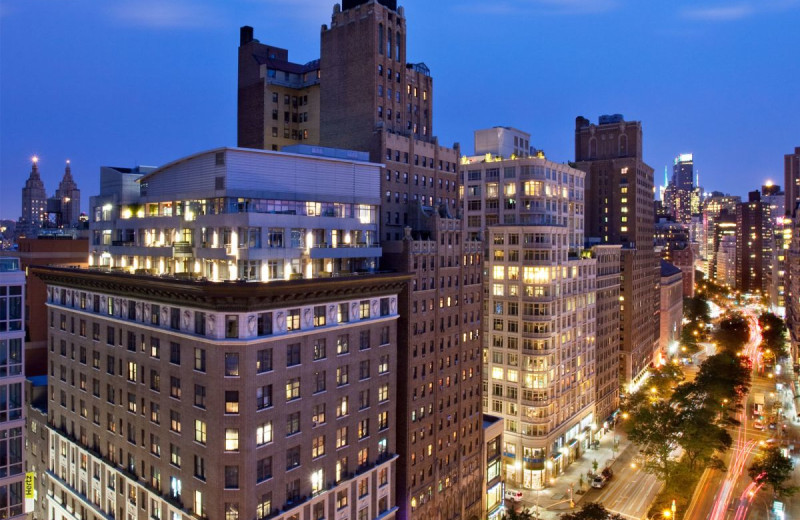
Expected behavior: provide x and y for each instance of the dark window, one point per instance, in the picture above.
(264, 360)
(293, 457)
(232, 364)
(175, 318)
(265, 324)
(293, 354)
(264, 469)
(231, 477)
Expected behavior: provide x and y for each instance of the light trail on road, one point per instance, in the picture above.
(746, 499)
(742, 448)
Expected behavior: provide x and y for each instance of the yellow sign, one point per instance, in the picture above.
(30, 480)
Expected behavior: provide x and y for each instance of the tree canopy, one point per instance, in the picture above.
(733, 332)
(592, 511)
(772, 468)
(773, 335)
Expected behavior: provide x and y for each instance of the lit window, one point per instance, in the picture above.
(231, 439)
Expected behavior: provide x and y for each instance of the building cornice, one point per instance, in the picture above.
(225, 296)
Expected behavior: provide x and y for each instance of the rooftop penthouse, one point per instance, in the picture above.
(242, 214)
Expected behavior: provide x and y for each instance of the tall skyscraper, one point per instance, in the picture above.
(791, 180)
(791, 175)
(752, 230)
(371, 98)
(683, 172)
(775, 242)
(34, 202)
(539, 320)
(12, 380)
(682, 198)
(70, 198)
(719, 211)
(619, 210)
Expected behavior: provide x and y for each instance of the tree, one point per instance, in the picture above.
(511, 514)
(703, 438)
(654, 426)
(722, 376)
(665, 378)
(689, 340)
(696, 309)
(773, 334)
(772, 468)
(592, 511)
(733, 332)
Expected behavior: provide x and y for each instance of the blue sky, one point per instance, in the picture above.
(148, 81)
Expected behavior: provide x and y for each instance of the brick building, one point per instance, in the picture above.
(178, 399)
(63, 250)
(373, 99)
(619, 210)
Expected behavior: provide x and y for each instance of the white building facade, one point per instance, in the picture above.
(240, 214)
(539, 319)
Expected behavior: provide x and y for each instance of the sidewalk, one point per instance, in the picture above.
(554, 499)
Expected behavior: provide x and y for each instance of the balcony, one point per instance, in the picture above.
(359, 250)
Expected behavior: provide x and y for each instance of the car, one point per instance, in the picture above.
(600, 480)
(772, 426)
(513, 495)
(758, 425)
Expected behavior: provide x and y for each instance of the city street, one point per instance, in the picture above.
(629, 492)
(732, 494)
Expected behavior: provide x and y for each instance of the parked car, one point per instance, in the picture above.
(513, 495)
(600, 480)
(758, 425)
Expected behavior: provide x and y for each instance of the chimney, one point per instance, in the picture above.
(245, 35)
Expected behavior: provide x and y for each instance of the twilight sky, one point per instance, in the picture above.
(129, 82)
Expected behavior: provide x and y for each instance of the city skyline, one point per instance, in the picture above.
(126, 86)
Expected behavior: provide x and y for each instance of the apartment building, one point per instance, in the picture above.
(179, 399)
(373, 98)
(539, 322)
(278, 100)
(619, 210)
(607, 347)
(12, 382)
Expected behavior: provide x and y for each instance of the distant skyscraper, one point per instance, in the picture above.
(681, 190)
(751, 229)
(791, 180)
(70, 197)
(34, 201)
(683, 172)
(620, 210)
